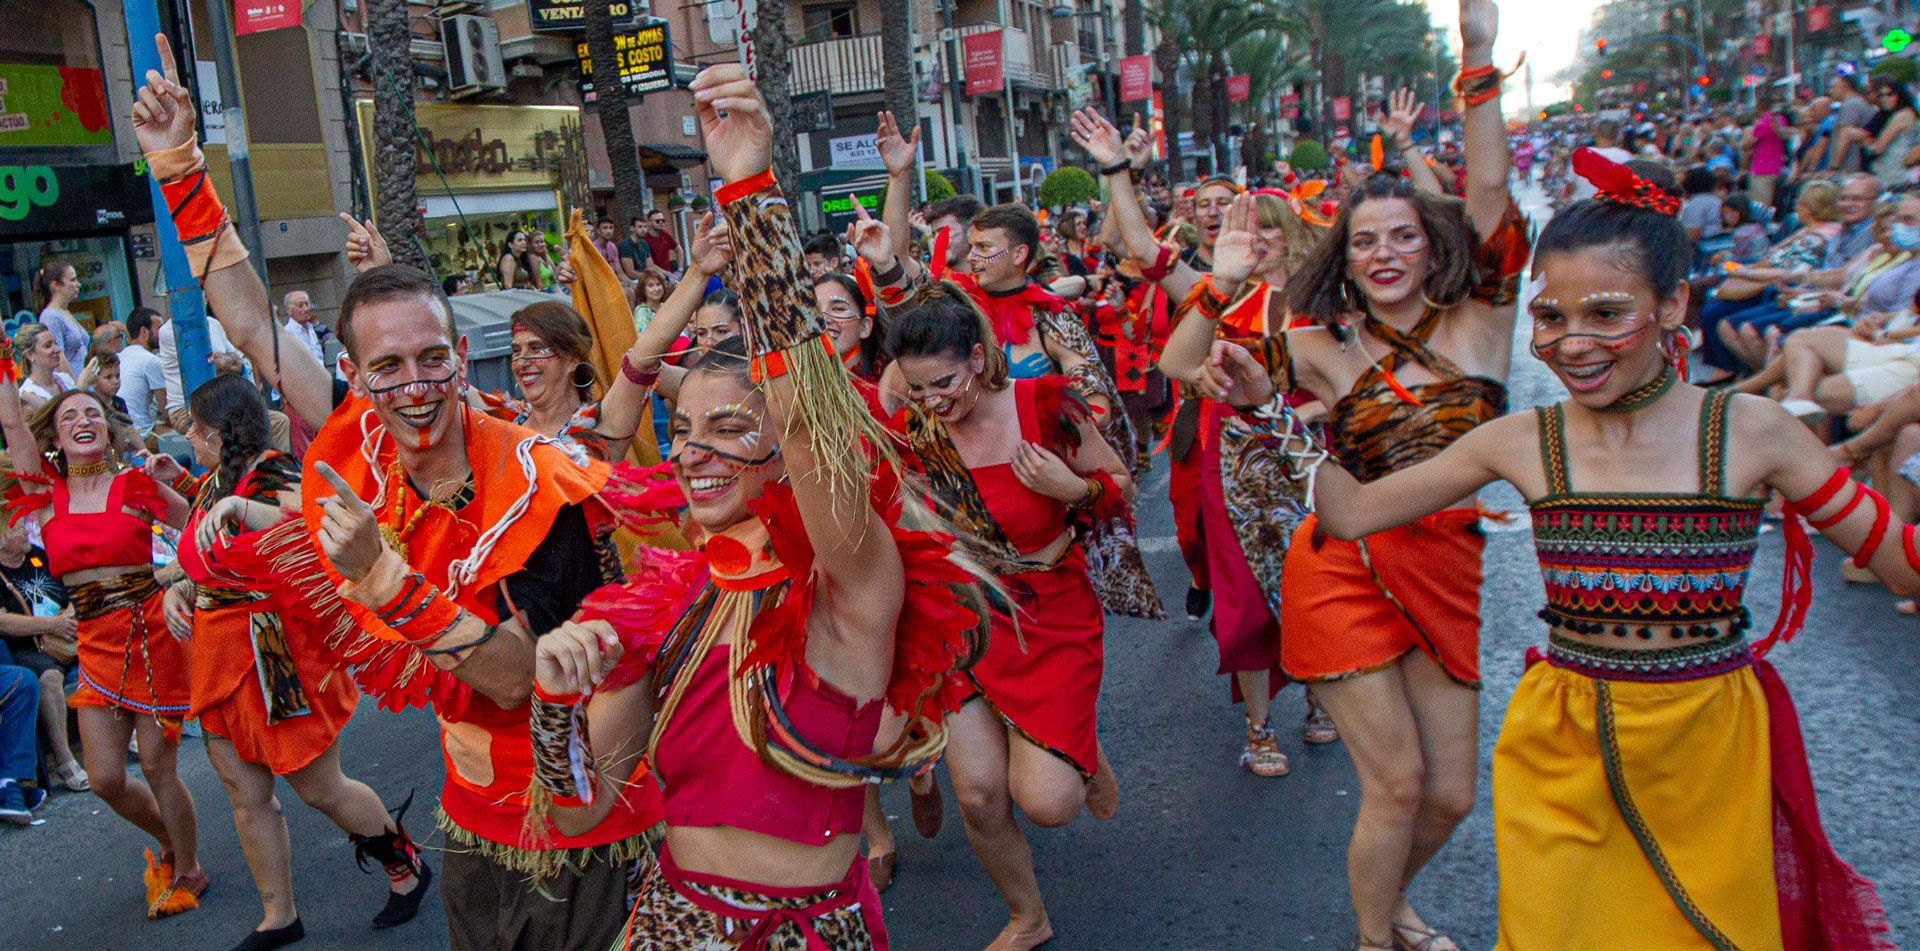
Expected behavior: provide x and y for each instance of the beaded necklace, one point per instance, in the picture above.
(82, 470)
(1646, 395)
(397, 523)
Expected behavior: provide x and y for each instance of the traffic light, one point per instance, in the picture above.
(1600, 46)
(1543, 116)
(1606, 74)
(1704, 82)
(1896, 40)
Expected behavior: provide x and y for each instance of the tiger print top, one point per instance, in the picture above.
(1382, 426)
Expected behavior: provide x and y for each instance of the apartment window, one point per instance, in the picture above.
(830, 21)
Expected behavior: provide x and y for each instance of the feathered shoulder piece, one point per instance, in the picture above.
(23, 501)
(142, 494)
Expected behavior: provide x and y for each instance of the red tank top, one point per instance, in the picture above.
(76, 541)
(1030, 520)
(712, 778)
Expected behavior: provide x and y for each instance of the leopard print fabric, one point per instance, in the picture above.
(776, 295)
(665, 920)
(1265, 472)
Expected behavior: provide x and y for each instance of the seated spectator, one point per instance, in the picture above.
(1700, 212)
(38, 629)
(1747, 240)
(1880, 280)
(19, 757)
(1802, 251)
(454, 285)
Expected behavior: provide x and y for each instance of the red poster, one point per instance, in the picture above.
(1290, 112)
(982, 53)
(254, 16)
(1763, 45)
(1342, 108)
(1136, 78)
(1239, 87)
(1819, 18)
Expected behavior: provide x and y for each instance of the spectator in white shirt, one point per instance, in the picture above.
(301, 323)
(141, 379)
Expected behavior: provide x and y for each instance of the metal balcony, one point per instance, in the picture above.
(848, 65)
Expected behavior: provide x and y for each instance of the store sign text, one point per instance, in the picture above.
(474, 154)
(24, 186)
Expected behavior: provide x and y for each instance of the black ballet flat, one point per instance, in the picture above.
(401, 908)
(273, 938)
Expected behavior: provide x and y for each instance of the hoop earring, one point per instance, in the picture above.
(1428, 300)
(577, 368)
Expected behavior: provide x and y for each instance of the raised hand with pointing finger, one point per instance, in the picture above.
(366, 247)
(349, 528)
(163, 111)
(870, 237)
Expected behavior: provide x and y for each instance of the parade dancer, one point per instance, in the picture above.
(1014, 464)
(1414, 297)
(1654, 757)
(268, 685)
(751, 673)
(456, 538)
(97, 521)
(1267, 242)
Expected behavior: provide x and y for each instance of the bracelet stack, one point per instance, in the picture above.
(1479, 85)
(419, 614)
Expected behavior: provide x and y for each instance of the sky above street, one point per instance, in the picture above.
(1549, 33)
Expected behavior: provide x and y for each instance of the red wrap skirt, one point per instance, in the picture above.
(1044, 678)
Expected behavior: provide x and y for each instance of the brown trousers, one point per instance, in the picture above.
(493, 908)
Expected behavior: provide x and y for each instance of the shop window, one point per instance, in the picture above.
(829, 21)
(53, 94)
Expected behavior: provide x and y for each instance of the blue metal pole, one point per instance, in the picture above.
(185, 303)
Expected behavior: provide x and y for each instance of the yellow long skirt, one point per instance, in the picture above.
(1692, 759)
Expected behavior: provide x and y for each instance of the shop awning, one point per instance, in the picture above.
(666, 158)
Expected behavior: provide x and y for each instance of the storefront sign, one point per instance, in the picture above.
(1239, 87)
(557, 16)
(40, 199)
(981, 52)
(836, 211)
(255, 16)
(1136, 78)
(645, 60)
(853, 150)
(52, 106)
(480, 148)
(813, 112)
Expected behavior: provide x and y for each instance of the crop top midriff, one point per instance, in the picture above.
(711, 777)
(77, 541)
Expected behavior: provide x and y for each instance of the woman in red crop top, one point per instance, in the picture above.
(751, 672)
(268, 682)
(97, 519)
(1015, 465)
(1413, 299)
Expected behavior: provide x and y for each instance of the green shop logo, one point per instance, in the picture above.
(24, 186)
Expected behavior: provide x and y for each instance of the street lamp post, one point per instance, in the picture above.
(956, 94)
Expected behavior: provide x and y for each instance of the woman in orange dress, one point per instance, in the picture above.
(97, 521)
(264, 682)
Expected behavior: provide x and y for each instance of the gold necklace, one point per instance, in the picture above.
(397, 524)
(81, 470)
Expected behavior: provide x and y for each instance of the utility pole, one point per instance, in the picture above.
(246, 214)
(956, 95)
(186, 305)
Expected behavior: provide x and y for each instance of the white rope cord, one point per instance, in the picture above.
(371, 433)
(1281, 421)
(467, 569)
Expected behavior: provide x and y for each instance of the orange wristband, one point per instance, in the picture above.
(734, 191)
(774, 365)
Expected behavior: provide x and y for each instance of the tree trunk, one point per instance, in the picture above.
(395, 136)
(1217, 100)
(1135, 27)
(770, 44)
(896, 62)
(1166, 58)
(616, 124)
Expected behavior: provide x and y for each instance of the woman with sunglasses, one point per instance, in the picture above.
(1655, 757)
(1412, 296)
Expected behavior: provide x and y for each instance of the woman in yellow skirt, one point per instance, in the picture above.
(1651, 757)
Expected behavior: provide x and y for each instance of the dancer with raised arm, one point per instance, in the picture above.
(1651, 754)
(1413, 297)
(751, 672)
(457, 539)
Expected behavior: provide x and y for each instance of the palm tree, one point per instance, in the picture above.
(1169, 17)
(896, 64)
(770, 43)
(395, 134)
(616, 124)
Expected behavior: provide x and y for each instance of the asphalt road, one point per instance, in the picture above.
(1201, 856)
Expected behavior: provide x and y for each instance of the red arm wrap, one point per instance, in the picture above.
(734, 191)
(1162, 266)
(196, 208)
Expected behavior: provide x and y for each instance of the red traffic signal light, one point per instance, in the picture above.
(1606, 74)
(1704, 82)
(1600, 45)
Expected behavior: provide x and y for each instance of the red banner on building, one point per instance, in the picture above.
(1239, 87)
(982, 58)
(1763, 45)
(1159, 127)
(255, 16)
(1819, 18)
(1342, 108)
(1136, 78)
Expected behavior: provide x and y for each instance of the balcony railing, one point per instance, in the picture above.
(847, 65)
(1066, 56)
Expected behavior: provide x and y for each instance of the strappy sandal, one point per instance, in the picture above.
(1319, 728)
(1262, 757)
(1011, 940)
(73, 776)
(1420, 938)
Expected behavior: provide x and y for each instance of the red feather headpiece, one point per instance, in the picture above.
(1618, 184)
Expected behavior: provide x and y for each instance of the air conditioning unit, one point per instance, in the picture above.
(355, 44)
(473, 55)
